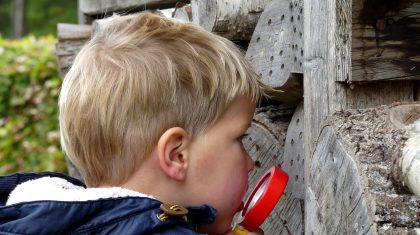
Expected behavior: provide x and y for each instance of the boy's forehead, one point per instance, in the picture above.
(242, 110)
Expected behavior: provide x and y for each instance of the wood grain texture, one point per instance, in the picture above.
(327, 44)
(294, 155)
(266, 146)
(373, 94)
(73, 31)
(107, 7)
(276, 47)
(335, 195)
(372, 139)
(323, 94)
(385, 43)
(233, 19)
(71, 39)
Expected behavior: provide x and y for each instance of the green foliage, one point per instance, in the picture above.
(29, 89)
(41, 16)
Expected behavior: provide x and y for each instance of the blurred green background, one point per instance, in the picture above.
(29, 84)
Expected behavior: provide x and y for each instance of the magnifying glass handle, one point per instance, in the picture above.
(239, 230)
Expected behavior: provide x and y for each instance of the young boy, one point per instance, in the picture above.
(152, 113)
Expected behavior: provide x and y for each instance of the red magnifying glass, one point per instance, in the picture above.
(262, 200)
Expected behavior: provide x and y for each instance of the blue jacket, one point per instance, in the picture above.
(125, 215)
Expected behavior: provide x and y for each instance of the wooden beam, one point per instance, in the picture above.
(71, 38)
(107, 7)
(234, 20)
(385, 42)
(326, 57)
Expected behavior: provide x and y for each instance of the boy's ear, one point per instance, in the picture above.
(172, 152)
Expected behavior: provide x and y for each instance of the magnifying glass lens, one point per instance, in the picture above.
(256, 196)
(263, 198)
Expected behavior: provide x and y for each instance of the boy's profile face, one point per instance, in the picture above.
(220, 165)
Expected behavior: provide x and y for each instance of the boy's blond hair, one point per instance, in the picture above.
(135, 79)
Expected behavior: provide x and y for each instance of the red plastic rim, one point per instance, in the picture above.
(275, 180)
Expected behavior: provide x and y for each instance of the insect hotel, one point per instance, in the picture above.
(344, 120)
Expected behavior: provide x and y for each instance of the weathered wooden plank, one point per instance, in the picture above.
(73, 31)
(71, 39)
(385, 40)
(235, 20)
(369, 95)
(69, 47)
(276, 47)
(107, 7)
(265, 144)
(326, 48)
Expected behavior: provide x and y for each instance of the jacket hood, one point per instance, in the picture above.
(58, 189)
(52, 205)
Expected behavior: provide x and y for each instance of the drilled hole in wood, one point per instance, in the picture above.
(298, 17)
(296, 178)
(257, 164)
(282, 17)
(300, 64)
(291, 162)
(298, 157)
(271, 58)
(292, 142)
(269, 22)
(260, 74)
(295, 4)
(301, 52)
(258, 39)
(301, 10)
(294, 29)
(300, 34)
(301, 133)
(291, 19)
(297, 121)
(281, 52)
(282, 66)
(330, 156)
(291, 6)
(295, 59)
(270, 72)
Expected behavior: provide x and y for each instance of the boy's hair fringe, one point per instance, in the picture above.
(137, 77)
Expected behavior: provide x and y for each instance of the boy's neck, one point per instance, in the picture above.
(151, 180)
